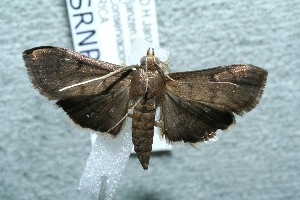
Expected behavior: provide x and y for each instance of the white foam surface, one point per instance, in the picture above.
(105, 165)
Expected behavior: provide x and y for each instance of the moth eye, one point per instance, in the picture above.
(143, 60)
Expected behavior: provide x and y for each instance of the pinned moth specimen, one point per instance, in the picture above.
(100, 95)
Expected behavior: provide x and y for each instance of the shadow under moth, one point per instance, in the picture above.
(100, 95)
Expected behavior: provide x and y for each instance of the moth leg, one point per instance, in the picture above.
(194, 145)
(99, 84)
(126, 115)
(158, 123)
(169, 77)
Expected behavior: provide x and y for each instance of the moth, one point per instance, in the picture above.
(100, 95)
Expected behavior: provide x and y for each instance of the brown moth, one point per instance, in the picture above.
(100, 95)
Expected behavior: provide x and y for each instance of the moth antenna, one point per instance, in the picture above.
(169, 77)
(162, 70)
(128, 113)
(100, 78)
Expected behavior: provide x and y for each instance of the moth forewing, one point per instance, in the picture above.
(53, 68)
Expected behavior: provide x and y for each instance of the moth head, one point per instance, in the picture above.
(150, 56)
(150, 52)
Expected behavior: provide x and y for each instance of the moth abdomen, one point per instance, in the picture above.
(143, 120)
